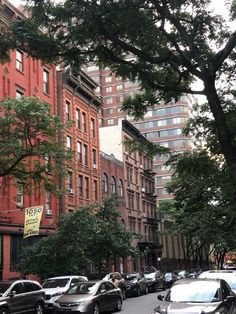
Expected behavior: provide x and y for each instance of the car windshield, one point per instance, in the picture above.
(130, 277)
(55, 283)
(4, 286)
(83, 288)
(228, 277)
(196, 292)
(148, 269)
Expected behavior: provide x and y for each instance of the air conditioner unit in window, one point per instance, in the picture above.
(71, 191)
(143, 189)
(94, 166)
(49, 212)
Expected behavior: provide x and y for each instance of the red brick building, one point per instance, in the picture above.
(72, 98)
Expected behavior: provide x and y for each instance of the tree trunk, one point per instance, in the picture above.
(224, 135)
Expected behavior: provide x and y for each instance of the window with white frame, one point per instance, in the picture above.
(84, 122)
(46, 82)
(120, 188)
(93, 128)
(19, 60)
(70, 181)
(94, 158)
(80, 185)
(79, 151)
(113, 185)
(20, 194)
(108, 79)
(69, 142)
(19, 93)
(48, 198)
(68, 117)
(95, 189)
(119, 87)
(109, 89)
(85, 154)
(78, 122)
(86, 187)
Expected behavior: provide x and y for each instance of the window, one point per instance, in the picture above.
(48, 197)
(70, 181)
(93, 127)
(110, 121)
(85, 154)
(69, 142)
(80, 186)
(119, 87)
(68, 111)
(46, 82)
(20, 194)
(113, 185)
(86, 187)
(119, 98)
(120, 188)
(95, 190)
(94, 158)
(19, 94)
(109, 100)
(78, 123)
(109, 111)
(84, 121)
(108, 79)
(19, 60)
(104, 183)
(79, 151)
(108, 89)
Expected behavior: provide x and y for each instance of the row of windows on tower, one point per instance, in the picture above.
(111, 185)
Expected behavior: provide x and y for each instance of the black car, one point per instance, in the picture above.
(21, 296)
(136, 284)
(211, 296)
(155, 278)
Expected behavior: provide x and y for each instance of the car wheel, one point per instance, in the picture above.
(4, 311)
(96, 309)
(39, 308)
(118, 305)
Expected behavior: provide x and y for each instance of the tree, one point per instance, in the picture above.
(87, 235)
(203, 209)
(165, 45)
(30, 150)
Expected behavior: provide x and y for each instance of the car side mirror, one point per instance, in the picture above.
(160, 297)
(12, 293)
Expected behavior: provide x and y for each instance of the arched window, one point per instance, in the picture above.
(120, 188)
(113, 185)
(104, 183)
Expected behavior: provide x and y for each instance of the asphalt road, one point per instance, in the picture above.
(141, 305)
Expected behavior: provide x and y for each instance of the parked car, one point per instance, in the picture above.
(56, 286)
(170, 278)
(90, 297)
(136, 284)
(120, 280)
(154, 277)
(228, 275)
(21, 296)
(211, 296)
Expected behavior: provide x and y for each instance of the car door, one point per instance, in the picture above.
(112, 295)
(103, 298)
(17, 301)
(228, 298)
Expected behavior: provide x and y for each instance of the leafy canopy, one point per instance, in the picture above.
(165, 45)
(30, 150)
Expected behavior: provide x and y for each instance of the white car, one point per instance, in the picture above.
(56, 286)
(228, 275)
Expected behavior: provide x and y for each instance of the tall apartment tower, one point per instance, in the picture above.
(163, 125)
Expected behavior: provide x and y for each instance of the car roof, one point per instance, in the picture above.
(11, 281)
(64, 277)
(190, 280)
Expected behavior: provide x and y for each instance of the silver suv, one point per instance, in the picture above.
(21, 296)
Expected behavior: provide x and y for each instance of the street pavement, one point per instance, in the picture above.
(141, 305)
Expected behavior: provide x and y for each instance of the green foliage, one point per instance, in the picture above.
(87, 235)
(29, 136)
(164, 45)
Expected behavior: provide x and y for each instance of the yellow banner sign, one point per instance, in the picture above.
(32, 220)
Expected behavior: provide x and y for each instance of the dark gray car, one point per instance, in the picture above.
(21, 296)
(198, 296)
(90, 297)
